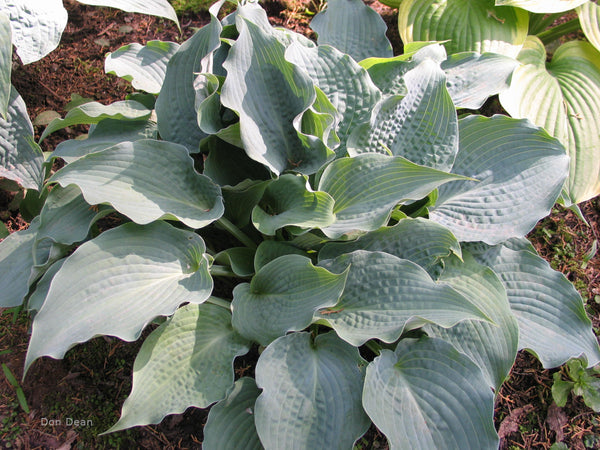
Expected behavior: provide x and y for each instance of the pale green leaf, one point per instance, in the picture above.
(21, 158)
(289, 200)
(187, 361)
(466, 25)
(5, 63)
(160, 8)
(563, 96)
(117, 283)
(589, 18)
(353, 28)
(146, 180)
(230, 422)
(518, 167)
(385, 296)
(144, 65)
(311, 394)
(367, 187)
(37, 26)
(552, 319)
(492, 346)
(543, 6)
(421, 126)
(94, 112)
(427, 395)
(283, 296)
(271, 128)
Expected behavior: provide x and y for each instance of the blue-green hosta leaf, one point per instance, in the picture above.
(552, 319)
(230, 422)
(269, 250)
(543, 6)
(144, 65)
(241, 199)
(563, 96)
(467, 25)
(66, 217)
(367, 187)
(160, 8)
(386, 295)
(240, 259)
(146, 180)
(421, 241)
(175, 106)
(5, 63)
(353, 28)
(94, 112)
(518, 167)
(36, 299)
(270, 124)
(346, 84)
(117, 283)
(103, 135)
(37, 26)
(283, 296)
(492, 346)
(428, 395)
(589, 18)
(228, 165)
(472, 77)
(21, 158)
(421, 126)
(16, 260)
(187, 361)
(289, 200)
(208, 103)
(311, 393)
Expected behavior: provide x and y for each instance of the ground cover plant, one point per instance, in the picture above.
(341, 233)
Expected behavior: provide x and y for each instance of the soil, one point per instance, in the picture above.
(92, 381)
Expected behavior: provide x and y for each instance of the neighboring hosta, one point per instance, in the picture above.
(382, 266)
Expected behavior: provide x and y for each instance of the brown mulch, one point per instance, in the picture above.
(97, 374)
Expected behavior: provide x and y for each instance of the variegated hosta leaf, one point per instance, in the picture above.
(367, 187)
(552, 320)
(421, 126)
(230, 422)
(94, 112)
(37, 26)
(16, 260)
(311, 394)
(175, 106)
(283, 296)
(117, 283)
(346, 84)
(160, 8)
(543, 6)
(144, 65)
(187, 361)
(5, 63)
(419, 240)
(492, 346)
(353, 28)
(146, 180)
(103, 135)
(428, 395)
(270, 124)
(66, 217)
(21, 158)
(518, 167)
(385, 295)
(289, 201)
(563, 96)
(589, 18)
(467, 25)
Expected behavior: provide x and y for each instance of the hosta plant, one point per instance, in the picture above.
(376, 241)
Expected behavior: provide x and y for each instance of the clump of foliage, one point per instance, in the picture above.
(381, 268)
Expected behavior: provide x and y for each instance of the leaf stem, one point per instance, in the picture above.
(237, 233)
(219, 302)
(222, 271)
(374, 347)
(559, 31)
(539, 22)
